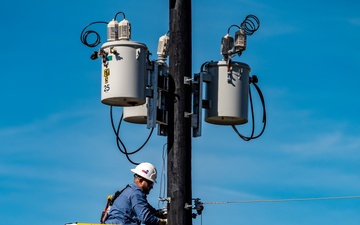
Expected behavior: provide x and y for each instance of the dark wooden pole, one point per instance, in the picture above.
(179, 127)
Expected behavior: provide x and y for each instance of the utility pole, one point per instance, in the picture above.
(179, 125)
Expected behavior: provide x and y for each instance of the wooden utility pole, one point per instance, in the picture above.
(179, 127)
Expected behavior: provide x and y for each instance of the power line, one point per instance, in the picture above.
(285, 200)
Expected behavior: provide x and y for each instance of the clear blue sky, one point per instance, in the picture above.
(58, 156)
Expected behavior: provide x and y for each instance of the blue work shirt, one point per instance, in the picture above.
(132, 208)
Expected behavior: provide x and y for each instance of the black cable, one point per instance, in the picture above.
(254, 80)
(118, 135)
(264, 110)
(204, 65)
(234, 25)
(115, 130)
(245, 138)
(250, 24)
(118, 14)
(84, 35)
(120, 142)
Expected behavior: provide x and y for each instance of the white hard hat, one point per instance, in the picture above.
(146, 170)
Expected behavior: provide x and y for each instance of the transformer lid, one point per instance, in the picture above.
(133, 44)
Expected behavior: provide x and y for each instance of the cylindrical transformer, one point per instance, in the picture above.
(227, 93)
(123, 75)
(136, 114)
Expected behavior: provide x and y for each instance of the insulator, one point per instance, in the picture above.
(162, 50)
(240, 41)
(112, 33)
(124, 30)
(227, 43)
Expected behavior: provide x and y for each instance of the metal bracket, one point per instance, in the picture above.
(168, 199)
(206, 77)
(188, 114)
(149, 92)
(188, 80)
(152, 94)
(198, 206)
(188, 206)
(196, 118)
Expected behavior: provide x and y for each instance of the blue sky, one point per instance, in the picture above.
(58, 156)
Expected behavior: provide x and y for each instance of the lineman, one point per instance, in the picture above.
(131, 206)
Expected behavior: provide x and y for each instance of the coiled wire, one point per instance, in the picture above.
(250, 24)
(85, 34)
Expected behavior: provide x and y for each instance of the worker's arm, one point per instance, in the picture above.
(143, 210)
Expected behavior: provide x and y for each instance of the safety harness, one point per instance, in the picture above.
(110, 201)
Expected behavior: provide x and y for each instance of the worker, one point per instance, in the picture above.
(131, 206)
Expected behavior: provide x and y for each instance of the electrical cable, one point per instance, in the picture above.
(234, 25)
(118, 14)
(285, 200)
(254, 80)
(205, 64)
(264, 109)
(84, 35)
(135, 151)
(120, 142)
(250, 24)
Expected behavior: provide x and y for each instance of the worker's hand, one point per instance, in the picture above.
(160, 214)
(162, 221)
